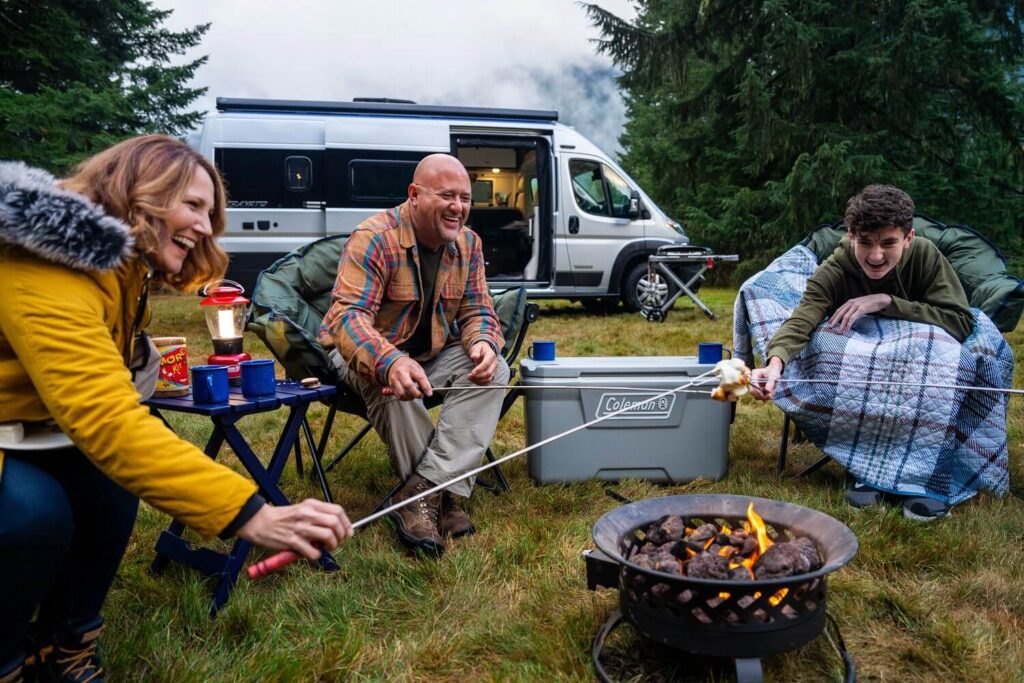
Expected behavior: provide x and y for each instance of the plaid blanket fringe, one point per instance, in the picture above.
(911, 440)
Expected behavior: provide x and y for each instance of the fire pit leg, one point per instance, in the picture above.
(749, 671)
(595, 652)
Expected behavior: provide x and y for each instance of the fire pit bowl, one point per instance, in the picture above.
(745, 620)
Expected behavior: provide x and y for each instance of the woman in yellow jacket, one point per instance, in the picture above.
(76, 260)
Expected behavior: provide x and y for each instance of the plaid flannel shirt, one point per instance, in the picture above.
(376, 301)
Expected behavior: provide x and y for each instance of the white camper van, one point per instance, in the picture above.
(554, 212)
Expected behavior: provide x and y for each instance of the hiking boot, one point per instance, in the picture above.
(454, 520)
(417, 522)
(72, 658)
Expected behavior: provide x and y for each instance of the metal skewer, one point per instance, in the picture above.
(859, 382)
(574, 387)
(288, 556)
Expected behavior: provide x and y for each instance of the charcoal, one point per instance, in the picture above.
(740, 574)
(685, 596)
(660, 590)
(749, 546)
(789, 612)
(668, 528)
(707, 566)
(715, 549)
(781, 559)
(668, 563)
(700, 536)
(809, 550)
(649, 548)
(675, 548)
(645, 560)
(746, 601)
(727, 551)
(723, 539)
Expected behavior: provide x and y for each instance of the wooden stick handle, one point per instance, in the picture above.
(272, 564)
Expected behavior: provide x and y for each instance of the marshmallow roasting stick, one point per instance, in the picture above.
(859, 382)
(284, 558)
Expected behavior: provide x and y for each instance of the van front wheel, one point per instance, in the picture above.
(642, 290)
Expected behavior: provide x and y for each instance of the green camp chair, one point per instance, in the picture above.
(979, 265)
(288, 304)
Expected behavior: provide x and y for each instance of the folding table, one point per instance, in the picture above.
(171, 545)
(657, 263)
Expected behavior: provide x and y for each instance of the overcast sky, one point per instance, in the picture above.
(534, 54)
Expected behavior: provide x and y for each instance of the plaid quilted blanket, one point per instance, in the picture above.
(901, 437)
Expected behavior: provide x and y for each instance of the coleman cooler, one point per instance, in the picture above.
(675, 438)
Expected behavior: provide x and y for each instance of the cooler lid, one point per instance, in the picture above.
(604, 366)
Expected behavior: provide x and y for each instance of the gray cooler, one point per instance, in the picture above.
(679, 437)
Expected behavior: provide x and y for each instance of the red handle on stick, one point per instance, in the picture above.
(272, 564)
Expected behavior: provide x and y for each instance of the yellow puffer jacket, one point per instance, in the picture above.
(69, 288)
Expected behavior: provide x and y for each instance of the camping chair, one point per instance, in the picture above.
(288, 305)
(979, 265)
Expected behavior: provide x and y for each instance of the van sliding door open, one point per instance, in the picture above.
(511, 178)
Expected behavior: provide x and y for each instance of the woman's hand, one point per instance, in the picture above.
(762, 380)
(305, 527)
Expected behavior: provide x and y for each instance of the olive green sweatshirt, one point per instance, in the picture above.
(923, 286)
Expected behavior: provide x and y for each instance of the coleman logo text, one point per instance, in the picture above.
(637, 406)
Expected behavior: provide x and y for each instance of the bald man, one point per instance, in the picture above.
(410, 310)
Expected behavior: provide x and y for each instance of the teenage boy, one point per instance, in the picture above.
(878, 268)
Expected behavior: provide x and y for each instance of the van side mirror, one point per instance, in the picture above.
(634, 205)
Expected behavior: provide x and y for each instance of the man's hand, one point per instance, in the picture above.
(847, 314)
(762, 380)
(304, 528)
(407, 380)
(486, 361)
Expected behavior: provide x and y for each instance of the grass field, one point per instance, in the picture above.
(919, 602)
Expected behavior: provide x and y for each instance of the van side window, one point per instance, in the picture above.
(380, 179)
(298, 173)
(619, 191)
(588, 186)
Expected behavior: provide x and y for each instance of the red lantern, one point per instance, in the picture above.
(225, 309)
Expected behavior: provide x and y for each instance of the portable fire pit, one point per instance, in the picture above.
(744, 618)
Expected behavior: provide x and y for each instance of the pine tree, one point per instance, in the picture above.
(755, 120)
(78, 75)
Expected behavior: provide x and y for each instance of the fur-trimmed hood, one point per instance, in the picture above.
(56, 225)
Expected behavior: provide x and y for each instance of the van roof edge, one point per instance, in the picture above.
(226, 104)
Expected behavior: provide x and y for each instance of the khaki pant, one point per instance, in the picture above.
(464, 427)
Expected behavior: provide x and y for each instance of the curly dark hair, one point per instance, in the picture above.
(879, 206)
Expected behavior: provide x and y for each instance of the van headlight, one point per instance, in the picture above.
(676, 226)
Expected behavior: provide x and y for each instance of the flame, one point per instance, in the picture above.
(777, 598)
(763, 542)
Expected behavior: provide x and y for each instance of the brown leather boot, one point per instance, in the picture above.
(417, 522)
(73, 658)
(455, 521)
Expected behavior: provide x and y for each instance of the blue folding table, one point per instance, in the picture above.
(171, 545)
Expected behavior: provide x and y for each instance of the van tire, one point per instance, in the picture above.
(639, 292)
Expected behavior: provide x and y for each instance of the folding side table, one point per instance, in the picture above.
(657, 263)
(171, 545)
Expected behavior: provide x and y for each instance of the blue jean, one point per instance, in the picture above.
(64, 527)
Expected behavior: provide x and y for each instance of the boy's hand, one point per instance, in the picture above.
(854, 309)
(762, 380)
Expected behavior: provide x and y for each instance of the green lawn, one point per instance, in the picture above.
(919, 602)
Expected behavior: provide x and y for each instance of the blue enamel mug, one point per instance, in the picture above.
(710, 352)
(542, 349)
(210, 384)
(257, 378)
